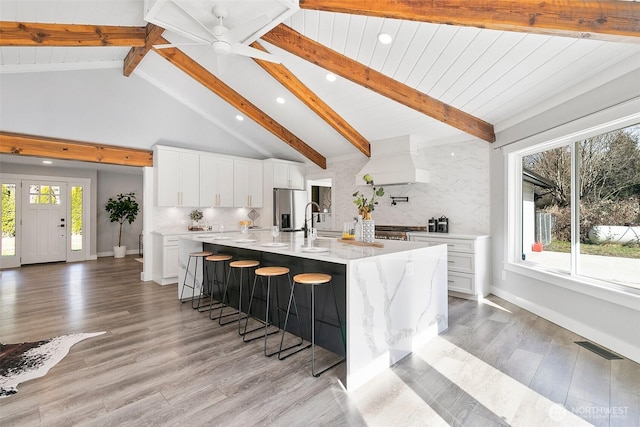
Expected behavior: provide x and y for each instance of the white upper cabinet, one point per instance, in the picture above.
(177, 174)
(216, 181)
(247, 183)
(287, 174)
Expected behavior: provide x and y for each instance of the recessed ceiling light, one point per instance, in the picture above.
(384, 38)
(280, 100)
(331, 77)
(47, 162)
(239, 117)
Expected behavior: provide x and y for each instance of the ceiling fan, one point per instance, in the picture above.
(223, 40)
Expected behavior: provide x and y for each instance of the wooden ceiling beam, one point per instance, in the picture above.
(612, 20)
(38, 34)
(311, 100)
(211, 82)
(136, 54)
(64, 149)
(290, 40)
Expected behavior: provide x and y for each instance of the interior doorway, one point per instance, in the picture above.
(320, 192)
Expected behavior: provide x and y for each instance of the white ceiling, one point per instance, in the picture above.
(500, 77)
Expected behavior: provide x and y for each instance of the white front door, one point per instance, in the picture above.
(44, 222)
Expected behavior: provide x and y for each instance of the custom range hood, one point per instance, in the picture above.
(395, 161)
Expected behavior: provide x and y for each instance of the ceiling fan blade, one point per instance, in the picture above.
(241, 49)
(170, 45)
(175, 18)
(243, 33)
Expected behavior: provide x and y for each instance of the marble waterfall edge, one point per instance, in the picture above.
(396, 304)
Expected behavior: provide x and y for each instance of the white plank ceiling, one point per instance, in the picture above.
(499, 77)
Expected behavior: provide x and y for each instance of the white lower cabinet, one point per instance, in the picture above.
(166, 258)
(468, 268)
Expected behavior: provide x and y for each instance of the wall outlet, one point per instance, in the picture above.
(504, 275)
(409, 269)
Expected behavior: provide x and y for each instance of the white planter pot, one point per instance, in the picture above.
(119, 251)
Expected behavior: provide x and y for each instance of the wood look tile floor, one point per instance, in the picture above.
(162, 363)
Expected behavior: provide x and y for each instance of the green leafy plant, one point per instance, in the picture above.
(367, 205)
(123, 207)
(196, 215)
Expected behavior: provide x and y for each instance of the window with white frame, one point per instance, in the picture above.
(577, 206)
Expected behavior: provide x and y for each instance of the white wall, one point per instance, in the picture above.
(607, 317)
(103, 106)
(458, 189)
(111, 184)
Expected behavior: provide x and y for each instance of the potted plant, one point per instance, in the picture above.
(123, 207)
(364, 204)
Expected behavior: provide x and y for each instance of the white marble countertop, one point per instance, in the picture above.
(445, 235)
(294, 244)
(177, 231)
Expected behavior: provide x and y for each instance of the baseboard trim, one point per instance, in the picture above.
(621, 347)
(110, 253)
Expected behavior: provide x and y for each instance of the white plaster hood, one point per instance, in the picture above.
(395, 161)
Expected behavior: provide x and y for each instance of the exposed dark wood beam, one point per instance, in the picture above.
(136, 54)
(317, 105)
(64, 149)
(290, 40)
(599, 19)
(37, 34)
(211, 82)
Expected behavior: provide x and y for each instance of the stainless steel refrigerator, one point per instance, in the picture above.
(288, 208)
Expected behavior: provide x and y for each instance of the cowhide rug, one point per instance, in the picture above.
(28, 360)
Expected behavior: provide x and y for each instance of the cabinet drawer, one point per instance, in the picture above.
(170, 240)
(453, 244)
(461, 282)
(460, 262)
(457, 245)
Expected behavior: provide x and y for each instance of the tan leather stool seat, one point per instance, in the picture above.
(244, 263)
(272, 271)
(218, 257)
(312, 278)
(201, 253)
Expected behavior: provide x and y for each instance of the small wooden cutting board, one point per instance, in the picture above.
(355, 242)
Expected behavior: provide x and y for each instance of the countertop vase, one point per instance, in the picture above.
(368, 230)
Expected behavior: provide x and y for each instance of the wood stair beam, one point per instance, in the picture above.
(136, 54)
(290, 40)
(311, 100)
(203, 76)
(38, 34)
(612, 20)
(65, 149)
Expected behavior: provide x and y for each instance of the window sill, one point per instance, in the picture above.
(625, 297)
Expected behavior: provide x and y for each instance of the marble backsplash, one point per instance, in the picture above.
(178, 218)
(458, 189)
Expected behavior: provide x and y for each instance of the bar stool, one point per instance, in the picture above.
(213, 261)
(236, 265)
(196, 256)
(270, 272)
(319, 279)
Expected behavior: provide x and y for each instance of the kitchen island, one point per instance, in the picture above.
(392, 299)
